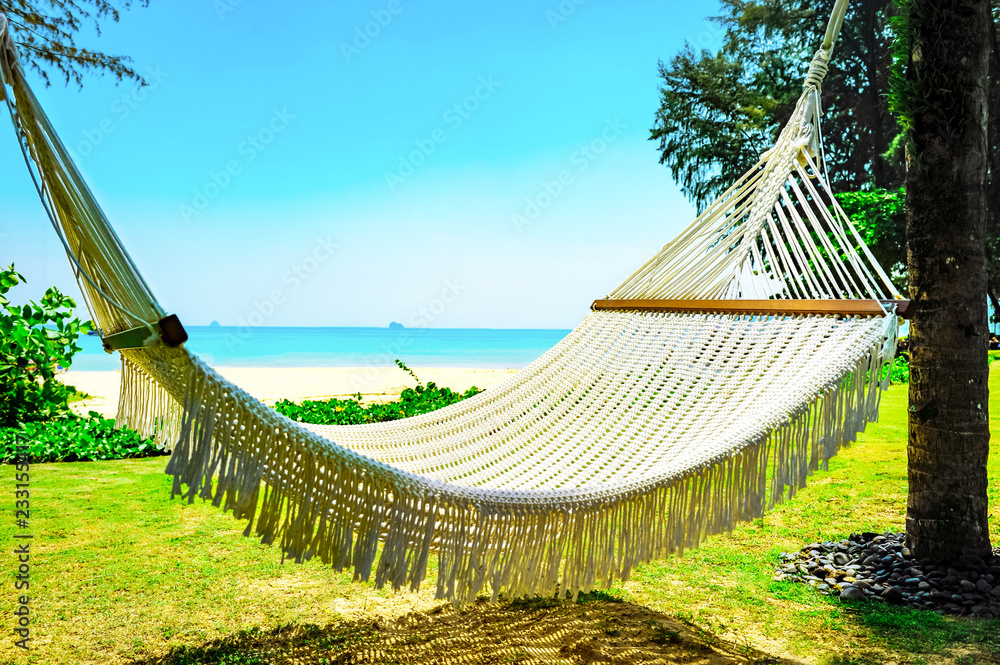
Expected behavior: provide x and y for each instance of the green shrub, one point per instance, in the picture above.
(879, 215)
(74, 439)
(412, 402)
(35, 339)
(900, 370)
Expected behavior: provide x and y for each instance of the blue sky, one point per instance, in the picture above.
(348, 164)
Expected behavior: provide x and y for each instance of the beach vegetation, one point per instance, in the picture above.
(412, 402)
(879, 216)
(899, 371)
(36, 340)
(351, 411)
(74, 439)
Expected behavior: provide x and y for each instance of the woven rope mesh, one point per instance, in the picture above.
(627, 399)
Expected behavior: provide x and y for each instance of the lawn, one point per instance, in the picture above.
(122, 574)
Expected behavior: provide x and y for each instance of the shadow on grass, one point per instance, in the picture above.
(958, 639)
(598, 628)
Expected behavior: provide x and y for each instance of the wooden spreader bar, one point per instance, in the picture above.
(169, 329)
(845, 307)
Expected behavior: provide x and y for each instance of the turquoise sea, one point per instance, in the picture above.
(225, 346)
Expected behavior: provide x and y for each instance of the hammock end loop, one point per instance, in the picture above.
(817, 70)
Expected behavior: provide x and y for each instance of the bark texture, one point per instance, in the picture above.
(946, 238)
(993, 164)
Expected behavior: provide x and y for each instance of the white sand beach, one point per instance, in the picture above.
(271, 384)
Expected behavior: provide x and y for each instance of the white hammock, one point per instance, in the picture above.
(659, 420)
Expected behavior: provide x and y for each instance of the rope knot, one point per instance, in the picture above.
(817, 69)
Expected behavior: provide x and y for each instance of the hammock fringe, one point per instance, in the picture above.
(319, 501)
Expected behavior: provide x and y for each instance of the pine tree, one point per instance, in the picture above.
(719, 111)
(45, 32)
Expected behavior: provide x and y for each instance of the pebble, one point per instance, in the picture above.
(880, 567)
(852, 592)
(893, 595)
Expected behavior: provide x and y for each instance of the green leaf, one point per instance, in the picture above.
(35, 339)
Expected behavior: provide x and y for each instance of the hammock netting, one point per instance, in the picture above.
(638, 435)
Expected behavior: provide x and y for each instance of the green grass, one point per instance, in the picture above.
(121, 573)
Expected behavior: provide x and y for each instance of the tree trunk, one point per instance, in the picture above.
(946, 234)
(993, 181)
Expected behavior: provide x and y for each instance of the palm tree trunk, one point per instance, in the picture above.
(946, 235)
(993, 182)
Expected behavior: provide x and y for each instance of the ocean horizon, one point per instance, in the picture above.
(279, 346)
